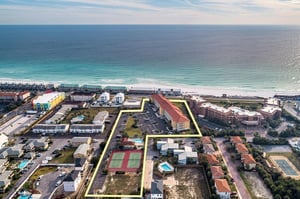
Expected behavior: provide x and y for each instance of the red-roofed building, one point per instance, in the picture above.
(14, 96)
(217, 172)
(235, 139)
(206, 140)
(212, 159)
(178, 120)
(241, 148)
(248, 161)
(222, 188)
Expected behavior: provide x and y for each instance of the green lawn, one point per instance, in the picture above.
(41, 171)
(88, 113)
(291, 156)
(130, 130)
(66, 157)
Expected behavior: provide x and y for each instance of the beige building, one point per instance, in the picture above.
(173, 114)
(271, 112)
(76, 141)
(82, 151)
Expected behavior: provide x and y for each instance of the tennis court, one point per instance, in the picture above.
(134, 160)
(116, 160)
(126, 161)
(286, 168)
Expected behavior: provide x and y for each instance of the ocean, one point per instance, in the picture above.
(253, 59)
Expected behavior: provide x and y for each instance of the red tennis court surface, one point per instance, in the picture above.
(126, 161)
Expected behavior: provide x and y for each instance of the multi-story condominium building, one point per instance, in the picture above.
(48, 101)
(14, 96)
(271, 112)
(172, 113)
(119, 98)
(212, 111)
(104, 98)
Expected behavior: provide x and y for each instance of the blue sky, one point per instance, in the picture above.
(150, 12)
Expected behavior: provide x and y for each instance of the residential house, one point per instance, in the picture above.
(212, 159)
(72, 181)
(76, 141)
(217, 172)
(5, 180)
(248, 161)
(157, 189)
(206, 140)
(209, 149)
(82, 151)
(188, 158)
(168, 148)
(3, 153)
(222, 188)
(241, 148)
(41, 144)
(15, 152)
(235, 140)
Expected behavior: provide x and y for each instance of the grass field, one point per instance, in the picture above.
(88, 113)
(66, 157)
(134, 160)
(41, 171)
(117, 160)
(291, 156)
(130, 130)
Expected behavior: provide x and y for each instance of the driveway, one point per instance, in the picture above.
(232, 167)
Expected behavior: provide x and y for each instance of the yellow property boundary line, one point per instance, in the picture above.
(145, 148)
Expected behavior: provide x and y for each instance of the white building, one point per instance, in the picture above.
(3, 140)
(297, 106)
(101, 117)
(81, 151)
(168, 147)
(60, 114)
(86, 128)
(82, 97)
(188, 157)
(119, 98)
(51, 128)
(104, 98)
(72, 181)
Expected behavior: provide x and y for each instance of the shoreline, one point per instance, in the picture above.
(185, 89)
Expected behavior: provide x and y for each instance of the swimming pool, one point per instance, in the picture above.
(137, 140)
(24, 197)
(165, 167)
(23, 164)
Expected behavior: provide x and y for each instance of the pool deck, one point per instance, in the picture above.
(273, 158)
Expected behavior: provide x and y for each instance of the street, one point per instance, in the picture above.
(232, 167)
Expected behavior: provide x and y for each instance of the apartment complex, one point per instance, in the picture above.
(172, 113)
(14, 96)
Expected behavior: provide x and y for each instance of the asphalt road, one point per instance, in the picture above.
(232, 167)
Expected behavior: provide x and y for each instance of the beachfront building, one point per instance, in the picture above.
(271, 112)
(86, 128)
(172, 113)
(48, 101)
(141, 90)
(101, 117)
(297, 106)
(82, 151)
(222, 188)
(3, 140)
(90, 88)
(68, 87)
(195, 103)
(119, 98)
(82, 97)
(115, 89)
(72, 181)
(104, 98)
(271, 101)
(246, 117)
(157, 189)
(215, 112)
(14, 96)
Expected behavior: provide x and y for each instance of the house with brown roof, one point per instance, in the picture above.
(206, 140)
(173, 114)
(235, 140)
(208, 149)
(248, 161)
(217, 172)
(212, 159)
(241, 148)
(222, 188)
